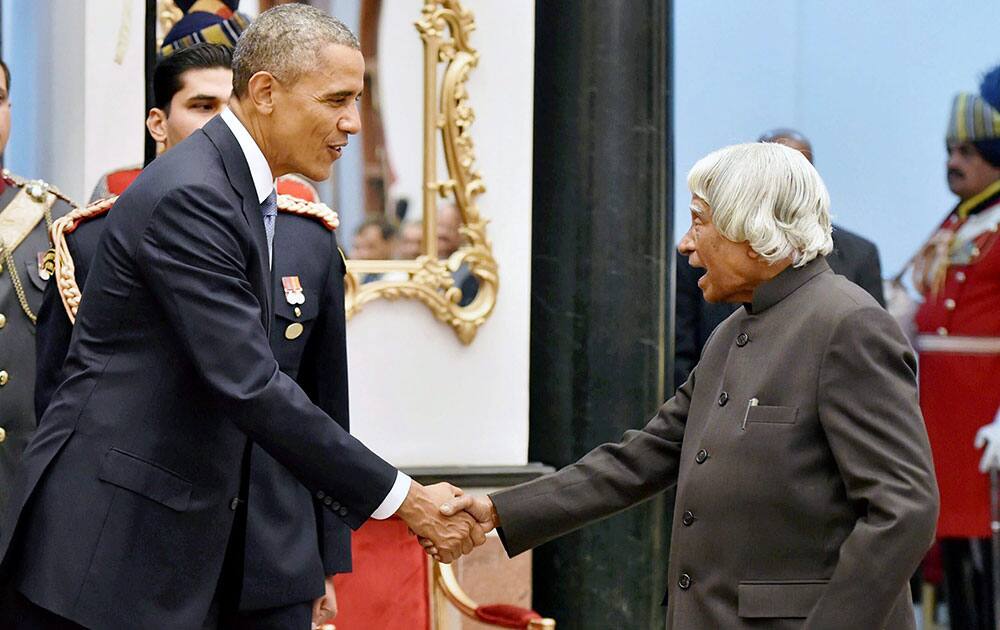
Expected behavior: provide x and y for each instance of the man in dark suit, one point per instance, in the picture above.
(130, 506)
(805, 489)
(290, 539)
(853, 257)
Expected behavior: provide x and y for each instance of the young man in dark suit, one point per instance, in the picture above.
(129, 509)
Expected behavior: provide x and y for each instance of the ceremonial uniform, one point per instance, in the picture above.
(959, 344)
(288, 539)
(26, 210)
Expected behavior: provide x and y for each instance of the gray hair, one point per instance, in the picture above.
(769, 195)
(284, 41)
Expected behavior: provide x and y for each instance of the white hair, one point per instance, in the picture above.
(768, 195)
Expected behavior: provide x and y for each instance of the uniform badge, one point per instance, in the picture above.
(293, 290)
(46, 263)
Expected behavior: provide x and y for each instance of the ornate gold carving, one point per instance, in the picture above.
(444, 27)
(167, 14)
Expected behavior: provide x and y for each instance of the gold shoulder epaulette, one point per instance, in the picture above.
(319, 211)
(64, 269)
(37, 189)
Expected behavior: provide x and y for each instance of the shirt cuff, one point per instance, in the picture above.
(395, 497)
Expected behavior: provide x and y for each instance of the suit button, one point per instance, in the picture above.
(687, 519)
(701, 456)
(320, 495)
(334, 506)
(235, 503)
(4, 377)
(328, 501)
(949, 304)
(742, 339)
(723, 399)
(959, 276)
(684, 582)
(3, 320)
(3, 434)
(342, 511)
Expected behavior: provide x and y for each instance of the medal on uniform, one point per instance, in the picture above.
(293, 290)
(46, 263)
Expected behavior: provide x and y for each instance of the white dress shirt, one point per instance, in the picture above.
(264, 183)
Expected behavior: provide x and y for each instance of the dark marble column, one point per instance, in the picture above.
(601, 305)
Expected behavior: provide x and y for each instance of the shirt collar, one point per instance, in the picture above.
(785, 283)
(260, 171)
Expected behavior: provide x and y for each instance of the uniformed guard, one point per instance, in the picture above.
(958, 325)
(27, 208)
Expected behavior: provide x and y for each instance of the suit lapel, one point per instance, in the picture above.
(239, 175)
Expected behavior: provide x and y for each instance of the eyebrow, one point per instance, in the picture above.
(203, 97)
(340, 94)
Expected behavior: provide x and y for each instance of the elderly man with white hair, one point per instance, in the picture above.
(805, 491)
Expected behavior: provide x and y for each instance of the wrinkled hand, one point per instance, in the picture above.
(989, 436)
(451, 536)
(325, 607)
(479, 508)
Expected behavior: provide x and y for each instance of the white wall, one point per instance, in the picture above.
(869, 82)
(419, 396)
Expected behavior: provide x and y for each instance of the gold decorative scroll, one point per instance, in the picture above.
(444, 27)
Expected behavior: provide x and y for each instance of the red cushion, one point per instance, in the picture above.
(506, 616)
(389, 585)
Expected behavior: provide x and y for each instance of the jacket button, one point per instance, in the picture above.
(235, 503)
(701, 456)
(949, 304)
(723, 399)
(742, 339)
(684, 582)
(334, 506)
(4, 377)
(328, 501)
(3, 320)
(960, 276)
(342, 511)
(3, 434)
(688, 518)
(320, 495)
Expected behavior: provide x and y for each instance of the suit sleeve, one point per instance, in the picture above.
(323, 375)
(687, 316)
(607, 480)
(193, 254)
(869, 411)
(53, 331)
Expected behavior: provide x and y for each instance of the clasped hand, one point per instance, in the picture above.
(446, 535)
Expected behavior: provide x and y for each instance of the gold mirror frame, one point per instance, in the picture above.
(444, 27)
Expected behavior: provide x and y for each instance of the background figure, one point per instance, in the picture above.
(289, 538)
(27, 208)
(409, 244)
(958, 338)
(853, 257)
(449, 239)
(374, 241)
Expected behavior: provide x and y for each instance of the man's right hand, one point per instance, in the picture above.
(452, 536)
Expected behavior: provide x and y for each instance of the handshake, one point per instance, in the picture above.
(448, 522)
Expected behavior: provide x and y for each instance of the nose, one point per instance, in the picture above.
(350, 123)
(686, 245)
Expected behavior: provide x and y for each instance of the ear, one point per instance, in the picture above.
(261, 91)
(753, 255)
(156, 122)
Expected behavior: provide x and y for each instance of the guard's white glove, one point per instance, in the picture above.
(989, 436)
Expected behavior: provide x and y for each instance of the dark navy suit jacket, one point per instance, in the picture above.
(124, 505)
(853, 257)
(283, 563)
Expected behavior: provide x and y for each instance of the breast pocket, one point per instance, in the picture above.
(775, 599)
(771, 415)
(293, 324)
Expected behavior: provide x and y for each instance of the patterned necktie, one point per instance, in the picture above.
(270, 211)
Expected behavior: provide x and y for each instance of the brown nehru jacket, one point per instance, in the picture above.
(806, 496)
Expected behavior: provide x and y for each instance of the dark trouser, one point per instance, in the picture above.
(17, 612)
(968, 578)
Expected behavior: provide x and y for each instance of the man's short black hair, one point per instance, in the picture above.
(385, 226)
(167, 77)
(6, 76)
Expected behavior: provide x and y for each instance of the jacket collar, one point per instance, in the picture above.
(785, 283)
